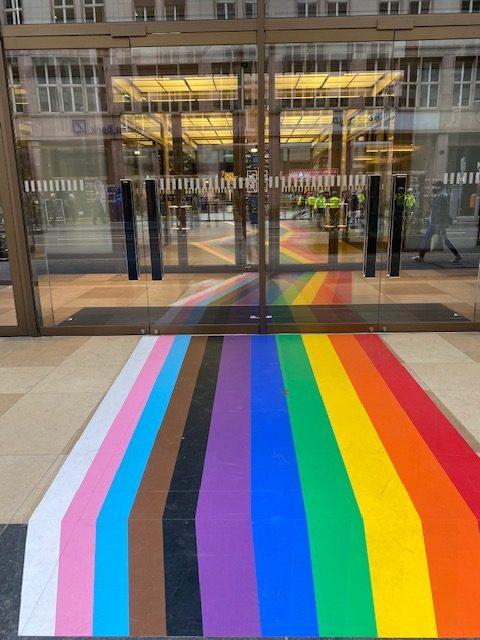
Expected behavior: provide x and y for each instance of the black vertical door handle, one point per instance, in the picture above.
(397, 216)
(371, 227)
(154, 230)
(130, 229)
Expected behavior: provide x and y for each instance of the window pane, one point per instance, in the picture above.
(43, 99)
(53, 98)
(78, 98)
(423, 96)
(67, 99)
(91, 99)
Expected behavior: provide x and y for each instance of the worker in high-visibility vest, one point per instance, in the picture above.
(400, 198)
(408, 215)
(300, 201)
(410, 202)
(334, 204)
(311, 203)
(361, 199)
(320, 207)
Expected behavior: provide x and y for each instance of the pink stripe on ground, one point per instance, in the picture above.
(194, 299)
(74, 615)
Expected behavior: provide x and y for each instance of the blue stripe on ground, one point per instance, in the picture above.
(282, 550)
(111, 587)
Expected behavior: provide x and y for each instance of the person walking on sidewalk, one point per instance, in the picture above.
(438, 223)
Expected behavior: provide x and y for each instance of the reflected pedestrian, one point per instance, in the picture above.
(438, 222)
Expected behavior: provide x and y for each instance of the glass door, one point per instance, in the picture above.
(431, 277)
(189, 129)
(69, 143)
(94, 128)
(330, 143)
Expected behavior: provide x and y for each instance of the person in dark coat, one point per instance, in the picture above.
(438, 222)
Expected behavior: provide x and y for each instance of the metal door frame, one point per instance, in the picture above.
(260, 31)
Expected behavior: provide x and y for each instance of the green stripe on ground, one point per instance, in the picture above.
(338, 550)
(294, 289)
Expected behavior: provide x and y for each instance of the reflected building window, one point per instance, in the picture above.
(390, 7)
(94, 11)
(95, 88)
(429, 82)
(175, 10)
(17, 93)
(63, 11)
(470, 6)
(226, 10)
(420, 6)
(250, 9)
(144, 10)
(306, 9)
(462, 87)
(13, 12)
(70, 85)
(47, 86)
(337, 8)
(408, 84)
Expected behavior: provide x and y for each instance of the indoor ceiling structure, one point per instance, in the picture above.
(338, 85)
(296, 127)
(177, 88)
(203, 88)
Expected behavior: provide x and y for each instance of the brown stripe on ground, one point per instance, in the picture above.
(231, 297)
(145, 528)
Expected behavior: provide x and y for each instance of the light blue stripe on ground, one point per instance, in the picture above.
(111, 586)
(282, 550)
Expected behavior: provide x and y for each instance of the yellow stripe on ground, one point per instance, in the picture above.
(215, 251)
(296, 255)
(393, 529)
(310, 290)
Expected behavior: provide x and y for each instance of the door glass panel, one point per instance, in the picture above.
(192, 126)
(69, 143)
(330, 132)
(436, 146)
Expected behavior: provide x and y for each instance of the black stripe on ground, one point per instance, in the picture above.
(182, 587)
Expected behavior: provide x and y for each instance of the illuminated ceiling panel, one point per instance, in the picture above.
(329, 84)
(162, 88)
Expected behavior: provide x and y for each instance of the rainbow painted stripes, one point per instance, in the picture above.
(260, 486)
(297, 289)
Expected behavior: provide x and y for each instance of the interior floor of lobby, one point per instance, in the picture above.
(51, 389)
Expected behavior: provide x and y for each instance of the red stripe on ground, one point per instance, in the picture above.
(452, 536)
(460, 462)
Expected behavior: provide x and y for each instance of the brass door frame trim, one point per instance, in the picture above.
(14, 221)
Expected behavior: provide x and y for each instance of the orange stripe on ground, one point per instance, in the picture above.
(326, 292)
(452, 537)
(343, 291)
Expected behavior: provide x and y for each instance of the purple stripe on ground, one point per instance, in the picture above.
(226, 564)
(248, 300)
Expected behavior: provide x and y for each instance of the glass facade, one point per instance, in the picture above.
(149, 204)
